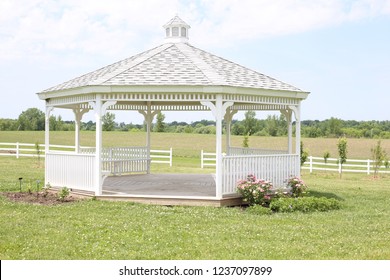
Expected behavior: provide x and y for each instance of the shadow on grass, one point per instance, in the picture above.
(324, 194)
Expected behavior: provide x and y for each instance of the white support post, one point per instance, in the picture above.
(47, 128)
(297, 112)
(17, 149)
(218, 110)
(288, 114)
(170, 157)
(368, 167)
(311, 164)
(99, 110)
(228, 119)
(78, 113)
(201, 159)
(148, 115)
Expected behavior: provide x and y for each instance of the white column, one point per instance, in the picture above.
(98, 145)
(47, 128)
(78, 113)
(228, 119)
(99, 110)
(298, 130)
(297, 112)
(148, 116)
(218, 146)
(218, 110)
(288, 115)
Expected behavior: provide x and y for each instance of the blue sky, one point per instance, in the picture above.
(337, 50)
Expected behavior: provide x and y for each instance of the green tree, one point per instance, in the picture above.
(304, 154)
(249, 122)
(342, 149)
(108, 121)
(31, 119)
(245, 141)
(334, 126)
(379, 157)
(160, 125)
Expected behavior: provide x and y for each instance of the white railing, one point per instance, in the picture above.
(70, 170)
(207, 159)
(333, 165)
(274, 168)
(29, 150)
(236, 151)
(161, 156)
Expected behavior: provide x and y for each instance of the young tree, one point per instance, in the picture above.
(379, 157)
(160, 125)
(304, 154)
(108, 121)
(249, 122)
(245, 141)
(342, 149)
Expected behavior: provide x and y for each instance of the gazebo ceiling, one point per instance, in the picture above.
(174, 71)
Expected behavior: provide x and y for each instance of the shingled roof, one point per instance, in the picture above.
(175, 63)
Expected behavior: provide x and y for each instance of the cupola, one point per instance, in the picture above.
(176, 31)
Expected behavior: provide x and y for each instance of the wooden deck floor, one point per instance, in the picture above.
(166, 189)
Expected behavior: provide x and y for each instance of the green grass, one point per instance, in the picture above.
(190, 145)
(120, 230)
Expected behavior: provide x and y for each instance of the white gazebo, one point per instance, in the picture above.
(174, 76)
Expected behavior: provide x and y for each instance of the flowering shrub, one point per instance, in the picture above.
(298, 187)
(255, 191)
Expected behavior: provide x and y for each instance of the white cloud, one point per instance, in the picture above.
(50, 29)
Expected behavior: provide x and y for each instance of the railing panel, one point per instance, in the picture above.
(237, 151)
(274, 168)
(70, 170)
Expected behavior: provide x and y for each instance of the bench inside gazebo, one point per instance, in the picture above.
(174, 76)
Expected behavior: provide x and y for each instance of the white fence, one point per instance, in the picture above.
(29, 150)
(274, 168)
(333, 165)
(207, 159)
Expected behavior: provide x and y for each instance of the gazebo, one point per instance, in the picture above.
(174, 76)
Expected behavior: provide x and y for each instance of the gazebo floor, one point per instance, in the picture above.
(166, 189)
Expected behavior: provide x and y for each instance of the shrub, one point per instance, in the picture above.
(255, 191)
(297, 186)
(304, 204)
(63, 194)
(259, 210)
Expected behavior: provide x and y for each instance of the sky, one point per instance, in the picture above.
(337, 50)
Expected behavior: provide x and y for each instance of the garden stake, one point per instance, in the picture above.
(20, 183)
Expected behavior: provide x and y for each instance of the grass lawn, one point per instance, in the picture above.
(190, 145)
(120, 230)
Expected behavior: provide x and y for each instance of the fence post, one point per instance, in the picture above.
(368, 167)
(201, 159)
(311, 164)
(339, 166)
(170, 159)
(17, 149)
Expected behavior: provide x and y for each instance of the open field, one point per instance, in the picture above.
(190, 145)
(92, 229)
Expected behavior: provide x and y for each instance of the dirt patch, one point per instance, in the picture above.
(38, 198)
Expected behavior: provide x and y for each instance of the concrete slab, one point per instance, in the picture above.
(196, 185)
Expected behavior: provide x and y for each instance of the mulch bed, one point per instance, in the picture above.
(38, 198)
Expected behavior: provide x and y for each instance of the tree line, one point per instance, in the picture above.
(273, 125)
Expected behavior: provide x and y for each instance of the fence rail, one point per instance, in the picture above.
(207, 159)
(121, 153)
(352, 165)
(236, 151)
